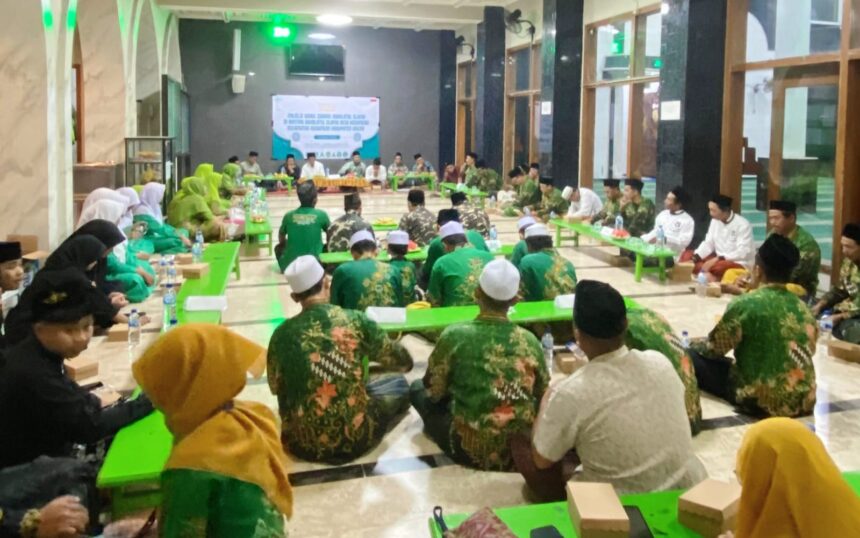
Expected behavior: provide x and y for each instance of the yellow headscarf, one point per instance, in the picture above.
(791, 487)
(192, 374)
(203, 169)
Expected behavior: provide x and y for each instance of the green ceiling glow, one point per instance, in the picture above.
(47, 15)
(280, 32)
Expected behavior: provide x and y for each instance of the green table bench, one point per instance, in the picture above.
(642, 251)
(255, 230)
(384, 227)
(448, 188)
(429, 178)
(337, 258)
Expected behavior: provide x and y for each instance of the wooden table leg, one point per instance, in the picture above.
(640, 263)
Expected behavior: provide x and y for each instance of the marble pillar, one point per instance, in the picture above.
(490, 99)
(561, 90)
(688, 149)
(447, 98)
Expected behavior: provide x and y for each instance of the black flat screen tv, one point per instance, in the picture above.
(316, 60)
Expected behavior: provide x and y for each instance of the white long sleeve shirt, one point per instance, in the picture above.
(678, 227)
(588, 206)
(733, 240)
(371, 175)
(311, 171)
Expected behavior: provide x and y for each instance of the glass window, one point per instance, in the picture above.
(522, 130)
(611, 122)
(788, 28)
(855, 24)
(646, 150)
(612, 42)
(521, 69)
(648, 41)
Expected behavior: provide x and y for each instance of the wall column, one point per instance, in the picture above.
(447, 98)
(490, 99)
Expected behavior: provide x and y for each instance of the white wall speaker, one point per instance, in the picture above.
(237, 50)
(238, 82)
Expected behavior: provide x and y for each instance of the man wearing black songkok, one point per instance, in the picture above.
(11, 275)
(844, 296)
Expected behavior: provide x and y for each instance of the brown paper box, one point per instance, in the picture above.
(118, 333)
(710, 508)
(37, 256)
(81, 368)
(29, 243)
(183, 259)
(567, 363)
(843, 350)
(682, 272)
(195, 270)
(596, 511)
(714, 290)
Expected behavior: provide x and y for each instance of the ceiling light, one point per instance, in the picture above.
(322, 79)
(251, 73)
(664, 8)
(334, 20)
(321, 36)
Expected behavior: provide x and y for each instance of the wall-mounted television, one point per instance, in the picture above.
(304, 60)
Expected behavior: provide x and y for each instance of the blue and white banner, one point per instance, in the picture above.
(332, 127)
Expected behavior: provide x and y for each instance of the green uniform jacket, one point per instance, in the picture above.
(340, 231)
(552, 202)
(520, 251)
(485, 180)
(455, 277)
(474, 218)
(408, 279)
(611, 209)
(844, 297)
(367, 282)
(545, 275)
(436, 250)
(639, 218)
(420, 224)
(806, 272)
(303, 228)
(528, 195)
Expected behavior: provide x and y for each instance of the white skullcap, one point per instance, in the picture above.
(525, 222)
(304, 273)
(538, 230)
(451, 228)
(500, 280)
(567, 192)
(398, 237)
(361, 235)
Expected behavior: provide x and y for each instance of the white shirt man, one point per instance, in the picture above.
(584, 203)
(376, 172)
(678, 227)
(250, 166)
(313, 168)
(729, 237)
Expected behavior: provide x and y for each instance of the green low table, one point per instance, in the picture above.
(660, 511)
(255, 230)
(428, 178)
(448, 188)
(642, 251)
(337, 258)
(384, 227)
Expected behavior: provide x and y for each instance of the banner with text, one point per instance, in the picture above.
(332, 127)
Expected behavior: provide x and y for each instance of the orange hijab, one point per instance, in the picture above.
(192, 374)
(791, 487)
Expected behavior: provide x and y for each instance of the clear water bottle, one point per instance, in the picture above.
(171, 273)
(527, 211)
(701, 284)
(685, 339)
(825, 325)
(553, 215)
(162, 269)
(133, 329)
(197, 252)
(619, 222)
(169, 305)
(494, 234)
(661, 236)
(198, 238)
(548, 345)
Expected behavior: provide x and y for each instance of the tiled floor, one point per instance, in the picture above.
(391, 491)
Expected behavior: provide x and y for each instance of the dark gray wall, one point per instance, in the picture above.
(401, 67)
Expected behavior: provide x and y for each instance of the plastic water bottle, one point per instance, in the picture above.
(198, 238)
(162, 269)
(619, 222)
(527, 211)
(685, 339)
(825, 325)
(169, 305)
(494, 234)
(133, 329)
(661, 236)
(548, 345)
(701, 284)
(171, 273)
(553, 215)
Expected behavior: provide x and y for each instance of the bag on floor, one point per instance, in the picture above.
(482, 524)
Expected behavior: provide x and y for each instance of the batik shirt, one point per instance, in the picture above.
(420, 224)
(194, 504)
(366, 282)
(436, 250)
(455, 277)
(357, 170)
(494, 374)
(844, 297)
(520, 252)
(611, 209)
(648, 330)
(408, 279)
(545, 275)
(485, 180)
(639, 218)
(341, 230)
(806, 271)
(774, 337)
(552, 202)
(474, 218)
(315, 368)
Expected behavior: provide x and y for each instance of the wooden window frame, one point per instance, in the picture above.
(533, 95)
(462, 102)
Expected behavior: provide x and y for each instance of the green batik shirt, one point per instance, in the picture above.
(315, 368)
(199, 503)
(469, 176)
(366, 282)
(639, 218)
(520, 252)
(341, 230)
(474, 218)
(844, 298)
(806, 272)
(611, 209)
(552, 202)
(420, 224)
(495, 375)
(436, 250)
(408, 279)
(774, 337)
(303, 229)
(648, 330)
(455, 277)
(545, 275)
(485, 180)
(528, 195)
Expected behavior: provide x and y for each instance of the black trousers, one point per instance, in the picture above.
(712, 375)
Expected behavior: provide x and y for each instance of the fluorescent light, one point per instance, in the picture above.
(251, 73)
(321, 36)
(334, 20)
(664, 8)
(322, 79)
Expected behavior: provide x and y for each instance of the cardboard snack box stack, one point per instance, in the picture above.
(843, 350)
(710, 508)
(596, 511)
(81, 368)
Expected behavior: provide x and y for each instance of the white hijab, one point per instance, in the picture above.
(110, 211)
(133, 201)
(150, 201)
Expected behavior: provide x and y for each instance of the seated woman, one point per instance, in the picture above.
(165, 238)
(190, 211)
(226, 475)
(128, 198)
(135, 277)
(791, 487)
(218, 205)
(137, 241)
(230, 176)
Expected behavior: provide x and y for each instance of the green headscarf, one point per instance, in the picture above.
(189, 206)
(230, 175)
(203, 170)
(213, 185)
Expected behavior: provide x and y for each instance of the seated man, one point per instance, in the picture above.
(398, 167)
(484, 379)
(468, 169)
(527, 192)
(44, 411)
(419, 222)
(301, 229)
(728, 243)
(398, 247)
(584, 203)
(485, 179)
(622, 413)
(436, 249)
(421, 165)
(365, 281)
(545, 273)
(11, 276)
(678, 226)
(313, 168)
(471, 216)
(648, 330)
(346, 225)
(455, 275)
(354, 167)
(782, 218)
(552, 205)
(844, 296)
(612, 205)
(773, 335)
(376, 173)
(250, 166)
(330, 411)
(521, 249)
(638, 212)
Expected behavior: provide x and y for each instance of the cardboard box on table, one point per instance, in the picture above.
(81, 368)
(682, 272)
(596, 511)
(710, 508)
(843, 350)
(194, 270)
(183, 259)
(118, 333)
